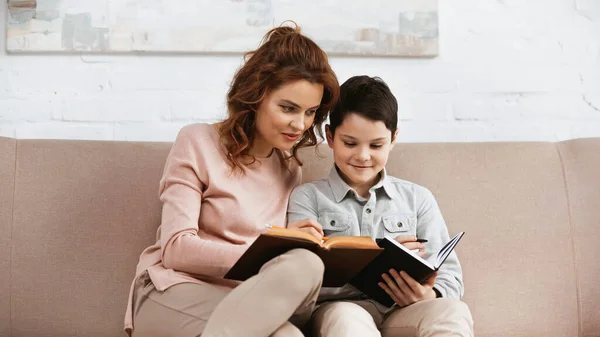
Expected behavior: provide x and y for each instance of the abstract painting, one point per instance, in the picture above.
(405, 28)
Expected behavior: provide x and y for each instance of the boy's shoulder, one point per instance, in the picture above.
(405, 186)
(313, 186)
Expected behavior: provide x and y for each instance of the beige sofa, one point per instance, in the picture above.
(75, 215)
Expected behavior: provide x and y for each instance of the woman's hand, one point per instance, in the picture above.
(409, 241)
(310, 226)
(404, 290)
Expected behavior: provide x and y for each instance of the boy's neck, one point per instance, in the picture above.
(361, 189)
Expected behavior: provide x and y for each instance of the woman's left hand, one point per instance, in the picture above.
(404, 290)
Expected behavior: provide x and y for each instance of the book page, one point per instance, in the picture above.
(289, 233)
(447, 249)
(350, 242)
(415, 255)
(365, 242)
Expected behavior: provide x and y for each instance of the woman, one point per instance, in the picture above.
(221, 184)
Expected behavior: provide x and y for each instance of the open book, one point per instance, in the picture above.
(398, 257)
(358, 260)
(343, 256)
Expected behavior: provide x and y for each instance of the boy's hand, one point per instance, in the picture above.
(404, 290)
(409, 241)
(309, 226)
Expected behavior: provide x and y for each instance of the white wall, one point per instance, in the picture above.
(508, 70)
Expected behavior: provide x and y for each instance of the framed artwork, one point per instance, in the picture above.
(397, 28)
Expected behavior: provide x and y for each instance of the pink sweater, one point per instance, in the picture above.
(210, 216)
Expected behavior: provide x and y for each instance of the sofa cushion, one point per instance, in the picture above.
(7, 183)
(84, 211)
(581, 159)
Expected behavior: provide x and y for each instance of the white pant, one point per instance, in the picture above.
(431, 318)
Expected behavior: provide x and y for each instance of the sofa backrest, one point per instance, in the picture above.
(84, 210)
(83, 213)
(581, 160)
(8, 151)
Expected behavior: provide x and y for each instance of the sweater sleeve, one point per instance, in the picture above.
(181, 187)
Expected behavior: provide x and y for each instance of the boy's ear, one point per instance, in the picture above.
(329, 136)
(394, 137)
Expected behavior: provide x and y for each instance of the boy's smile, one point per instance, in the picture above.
(360, 150)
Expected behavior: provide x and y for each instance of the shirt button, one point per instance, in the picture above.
(332, 222)
(399, 224)
(368, 211)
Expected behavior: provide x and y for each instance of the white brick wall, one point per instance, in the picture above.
(508, 70)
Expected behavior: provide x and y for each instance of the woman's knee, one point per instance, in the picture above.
(304, 266)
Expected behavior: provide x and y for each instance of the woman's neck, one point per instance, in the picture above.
(260, 148)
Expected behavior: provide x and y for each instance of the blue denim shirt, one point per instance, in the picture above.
(394, 207)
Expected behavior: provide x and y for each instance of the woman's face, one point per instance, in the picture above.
(284, 115)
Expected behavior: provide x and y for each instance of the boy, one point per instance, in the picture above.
(359, 198)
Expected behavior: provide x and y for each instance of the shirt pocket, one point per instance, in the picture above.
(399, 223)
(334, 222)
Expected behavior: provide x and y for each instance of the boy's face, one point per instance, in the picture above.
(360, 149)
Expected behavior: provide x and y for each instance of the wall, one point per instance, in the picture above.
(508, 70)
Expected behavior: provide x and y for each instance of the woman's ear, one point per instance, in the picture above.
(329, 136)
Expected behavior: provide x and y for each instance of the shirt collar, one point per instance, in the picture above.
(340, 189)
